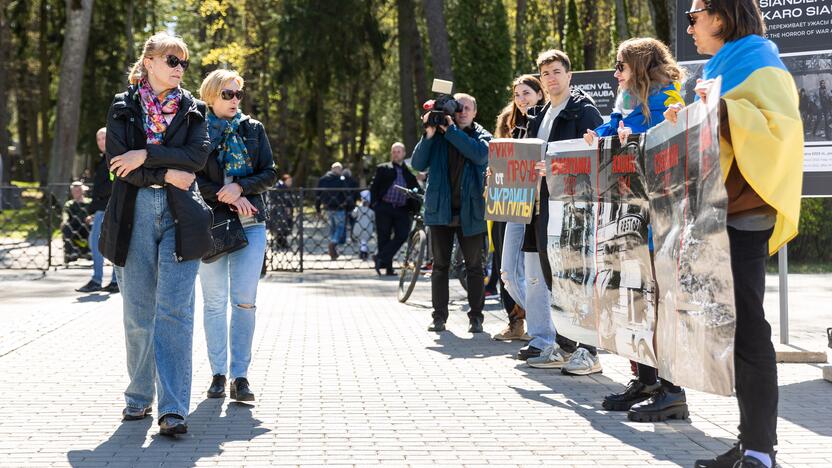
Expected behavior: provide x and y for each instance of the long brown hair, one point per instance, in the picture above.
(509, 116)
(651, 65)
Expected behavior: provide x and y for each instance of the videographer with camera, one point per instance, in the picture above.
(455, 151)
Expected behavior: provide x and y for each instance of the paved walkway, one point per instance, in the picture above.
(347, 376)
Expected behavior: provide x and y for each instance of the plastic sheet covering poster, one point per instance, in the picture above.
(570, 176)
(624, 279)
(513, 183)
(688, 205)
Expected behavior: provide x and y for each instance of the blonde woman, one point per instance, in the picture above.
(156, 228)
(239, 170)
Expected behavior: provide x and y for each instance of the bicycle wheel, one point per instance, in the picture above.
(412, 265)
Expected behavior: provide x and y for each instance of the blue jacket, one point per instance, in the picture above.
(432, 154)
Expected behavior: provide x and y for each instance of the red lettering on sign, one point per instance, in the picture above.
(624, 164)
(501, 150)
(666, 159)
(571, 166)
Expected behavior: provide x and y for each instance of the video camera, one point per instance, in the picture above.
(443, 105)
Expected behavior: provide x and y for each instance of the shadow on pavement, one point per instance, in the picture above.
(207, 432)
(800, 402)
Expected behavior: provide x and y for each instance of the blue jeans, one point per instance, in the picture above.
(239, 273)
(337, 226)
(158, 295)
(538, 301)
(512, 269)
(97, 257)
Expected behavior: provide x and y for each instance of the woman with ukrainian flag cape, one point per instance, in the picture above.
(761, 155)
(649, 80)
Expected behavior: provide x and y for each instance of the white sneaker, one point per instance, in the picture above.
(550, 358)
(582, 362)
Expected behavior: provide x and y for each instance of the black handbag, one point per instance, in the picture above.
(227, 232)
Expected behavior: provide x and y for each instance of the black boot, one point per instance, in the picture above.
(635, 393)
(726, 460)
(437, 326)
(172, 424)
(659, 407)
(240, 390)
(528, 351)
(217, 388)
(476, 325)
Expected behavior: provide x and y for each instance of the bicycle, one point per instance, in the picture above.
(414, 255)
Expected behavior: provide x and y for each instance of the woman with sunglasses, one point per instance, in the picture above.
(512, 123)
(156, 226)
(649, 81)
(239, 170)
(761, 154)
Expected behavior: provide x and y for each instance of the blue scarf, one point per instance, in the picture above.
(233, 155)
(629, 110)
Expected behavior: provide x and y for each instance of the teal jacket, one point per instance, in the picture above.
(432, 154)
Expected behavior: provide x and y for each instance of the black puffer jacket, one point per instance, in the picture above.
(212, 178)
(185, 147)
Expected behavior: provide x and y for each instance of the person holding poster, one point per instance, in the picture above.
(512, 123)
(568, 115)
(761, 155)
(649, 81)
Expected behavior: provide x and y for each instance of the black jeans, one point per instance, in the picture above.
(442, 240)
(390, 220)
(498, 233)
(754, 359)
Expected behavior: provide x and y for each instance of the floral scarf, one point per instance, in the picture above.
(155, 124)
(233, 155)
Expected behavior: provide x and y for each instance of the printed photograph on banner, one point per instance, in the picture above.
(688, 206)
(571, 237)
(624, 280)
(601, 86)
(513, 182)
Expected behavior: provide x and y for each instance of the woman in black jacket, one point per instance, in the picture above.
(239, 170)
(156, 226)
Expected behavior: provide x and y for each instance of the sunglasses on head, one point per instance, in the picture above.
(619, 65)
(228, 94)
(691, 14)
(174, 61)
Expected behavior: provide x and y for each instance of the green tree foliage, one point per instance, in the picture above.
(481, 54)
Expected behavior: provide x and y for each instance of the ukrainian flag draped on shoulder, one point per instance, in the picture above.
(657, 102)
(765, 126)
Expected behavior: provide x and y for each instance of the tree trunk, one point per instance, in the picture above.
(5, 71)
(405, 11)
(365, 129)
(419, 74)
(561, 23)
(590, 40)
(520, 54)
(131, 44)
(621, 29)
(45, 102)
(660, 15)
(438, 38)
(671, 21)
(76, 36)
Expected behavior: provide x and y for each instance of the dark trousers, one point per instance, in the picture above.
(442, 240)
(754, 359)
(498, 233)
(395, 221)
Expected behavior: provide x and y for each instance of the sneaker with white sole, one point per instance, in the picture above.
(582, 362)
(553, 357)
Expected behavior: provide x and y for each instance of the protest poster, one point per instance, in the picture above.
(513, 183)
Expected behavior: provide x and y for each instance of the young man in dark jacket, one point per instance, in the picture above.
(392, 206)
(568, 115)
(102, 186)
(335, 199)
(456, 155)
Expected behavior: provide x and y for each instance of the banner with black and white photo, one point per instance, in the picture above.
(673, 311)
(802, 30)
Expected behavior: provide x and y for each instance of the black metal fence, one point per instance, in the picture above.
(41, 228)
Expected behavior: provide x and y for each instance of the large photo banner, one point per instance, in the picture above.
(513, 182)
(671, 308)
(802, 31)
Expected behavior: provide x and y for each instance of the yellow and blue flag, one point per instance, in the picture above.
(765, 126)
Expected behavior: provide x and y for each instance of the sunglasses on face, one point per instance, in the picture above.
(174, 61)
(619, 65)
(690, 14)
(228, 94)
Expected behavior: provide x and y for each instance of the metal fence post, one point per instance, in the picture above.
(48, 193)
(783, 292)
(300, 227)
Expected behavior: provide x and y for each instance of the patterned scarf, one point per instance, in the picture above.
(155, 124)
(232, 150)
